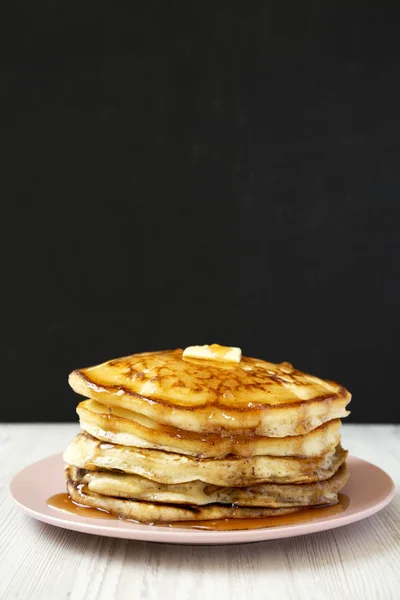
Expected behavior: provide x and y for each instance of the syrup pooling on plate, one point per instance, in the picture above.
(64, 503)
(305, 515)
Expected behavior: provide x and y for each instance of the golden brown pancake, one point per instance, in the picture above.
(86, 452)
(197, 493)
(167, 437)
(252, 396)
(124, 427)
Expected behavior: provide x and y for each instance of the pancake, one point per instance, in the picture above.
(88, 453)
(148, 512)
(122, 426)
(198, 493)
(263, 398)
(203, 436)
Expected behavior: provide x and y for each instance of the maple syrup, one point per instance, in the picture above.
(65, 503)
(306, 515)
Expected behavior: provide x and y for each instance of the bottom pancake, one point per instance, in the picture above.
(147, 512)
(197, 493)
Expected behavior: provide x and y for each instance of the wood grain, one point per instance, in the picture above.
(38, 561)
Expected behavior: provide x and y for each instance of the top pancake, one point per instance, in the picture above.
(199, 395)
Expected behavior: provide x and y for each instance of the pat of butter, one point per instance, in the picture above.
(214, 352)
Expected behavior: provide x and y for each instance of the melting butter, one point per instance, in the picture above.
(214, 352)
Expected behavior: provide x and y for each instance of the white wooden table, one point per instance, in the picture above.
(38, 561)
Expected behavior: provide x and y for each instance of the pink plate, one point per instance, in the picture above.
(370, 489)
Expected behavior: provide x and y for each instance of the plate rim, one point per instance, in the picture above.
(149, 533)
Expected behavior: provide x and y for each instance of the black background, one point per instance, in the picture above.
(192, 172)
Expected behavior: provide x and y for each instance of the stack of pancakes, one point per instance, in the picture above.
(168, 438)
